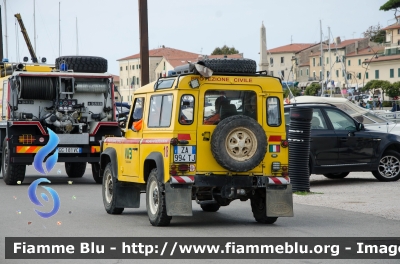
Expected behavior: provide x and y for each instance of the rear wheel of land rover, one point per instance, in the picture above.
(12, 173)
(75, 169)
(239, 143)
(155, 201)
(109, 188)
(259, 208)
(389, 167)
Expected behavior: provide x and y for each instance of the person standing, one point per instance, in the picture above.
(380, 103)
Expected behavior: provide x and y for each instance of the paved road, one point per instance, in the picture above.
(82, 214)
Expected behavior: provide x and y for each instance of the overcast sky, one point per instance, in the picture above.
(110, 29)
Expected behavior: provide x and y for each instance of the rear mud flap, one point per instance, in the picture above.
(127, 196)
(279, 200)
(178, 198)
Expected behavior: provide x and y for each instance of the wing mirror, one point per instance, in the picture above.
(360, 126)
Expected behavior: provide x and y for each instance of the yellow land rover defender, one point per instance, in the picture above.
(212, 132)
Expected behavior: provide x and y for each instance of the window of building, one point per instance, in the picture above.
(271, 61)
(337, 73)
(126, 67)
(327, 74)
(314, 75)
(320, 63)
(301, 72)
(272, 73)
(120, 68)
(349, 76)
(139, 66)
(359, 75)
(391, 73)
(398, 72)
(359, 61)
(327, 60)
(127, 83)
(348, 62)
(398, 32)
(137, 81)
(366, 75)
(282, 59)
(313, 62)
(320, 75)
(337, 58)
(307, 72)
(376, 74)
(283, 74)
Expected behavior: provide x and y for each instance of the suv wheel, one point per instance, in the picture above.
(75, 169)
(339, 175)
(239, 143)
(109, 189)
(389, 167)
(210, 207)
(12, 173)
(259, 208)
(155, 201)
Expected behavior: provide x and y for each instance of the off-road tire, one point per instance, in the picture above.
(75, 169)
(12, 173)
(229, 153)
(210, 207)
(388, 167)
(155, 201)
(258, 206)
(339, 175)
(96, 173)
(88, 64)
(229, 65)
(108, 190)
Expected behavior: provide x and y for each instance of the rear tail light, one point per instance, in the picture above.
(284, 143)
(26, 139)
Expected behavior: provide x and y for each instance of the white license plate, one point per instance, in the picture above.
(69, 150)
(184, 154)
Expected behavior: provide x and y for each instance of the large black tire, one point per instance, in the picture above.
(259, 208)
(96, 173)
(12, 173)
(109, 189)
(340, 175)
(388, 167)
(228, 65)
(75, 169)
(155, 201)
(88, 64)
(210, 207)
(242, 155)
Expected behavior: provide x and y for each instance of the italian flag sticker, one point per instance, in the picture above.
(274, 148)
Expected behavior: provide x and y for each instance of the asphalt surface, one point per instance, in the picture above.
(331, 210)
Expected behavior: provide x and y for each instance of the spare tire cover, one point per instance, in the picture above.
(228, 65)
(89, 64)
(239, 143)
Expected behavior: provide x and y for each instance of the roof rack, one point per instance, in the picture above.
(311, 103)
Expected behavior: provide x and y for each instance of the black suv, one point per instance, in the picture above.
(340, 145)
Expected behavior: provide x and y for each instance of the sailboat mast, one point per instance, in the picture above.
(59, 29)
(34, 25)
(330, 60)
(322, 62)
(5, 20)
(77, 44)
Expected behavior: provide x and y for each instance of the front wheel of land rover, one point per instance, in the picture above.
(155, 201)
(259, 208)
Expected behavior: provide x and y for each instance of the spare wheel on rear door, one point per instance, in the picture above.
(239, 143)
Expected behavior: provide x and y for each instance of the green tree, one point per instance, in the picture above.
(394, 90)
(312, 89)
(225, 50)
(295, 92)
(385, 86)
(391, 5)
(375, 33)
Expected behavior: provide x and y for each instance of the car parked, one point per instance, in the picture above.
(370, 119)
(341, 144)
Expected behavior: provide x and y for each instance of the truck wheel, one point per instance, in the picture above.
(12, 173)
(259, 209)
(340, 175)
(389, 167)
(229, 65)
(239, 143)
(96, 173)
(88, 64)
(109, 189)
(210, 207)
(155, 201)
(75, 169)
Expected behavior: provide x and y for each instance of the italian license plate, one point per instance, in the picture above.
(184, 154)
(69, 150)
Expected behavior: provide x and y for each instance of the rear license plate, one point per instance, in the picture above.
(69, 150)
(184, 154)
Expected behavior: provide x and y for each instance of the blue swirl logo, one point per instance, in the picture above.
(44, 151)
(32, 196)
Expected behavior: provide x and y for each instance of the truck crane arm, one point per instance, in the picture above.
(26, 37)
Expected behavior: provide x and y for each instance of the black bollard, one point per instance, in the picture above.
(299, 147)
